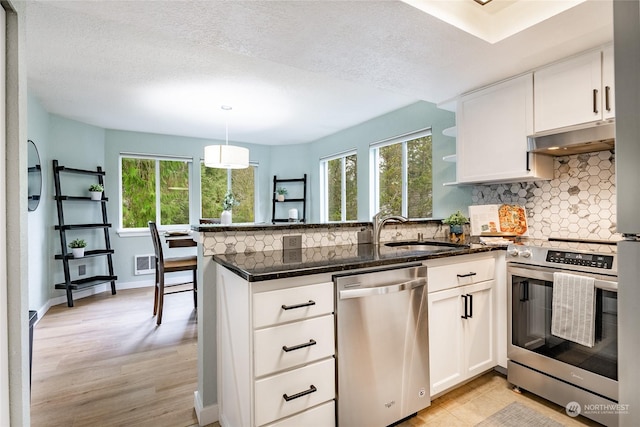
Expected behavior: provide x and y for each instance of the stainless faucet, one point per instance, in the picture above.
(379, 222)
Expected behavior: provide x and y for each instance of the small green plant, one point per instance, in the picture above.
(77, 243)
(281, 190)
(96, 187)
(229, 201)
(456, 219)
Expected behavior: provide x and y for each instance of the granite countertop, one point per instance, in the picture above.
(268, 265)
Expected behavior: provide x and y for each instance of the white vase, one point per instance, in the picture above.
(280, 197)
(77, 252)
(96, 195)
(225, 218)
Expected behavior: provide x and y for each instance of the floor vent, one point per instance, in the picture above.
(144, 264)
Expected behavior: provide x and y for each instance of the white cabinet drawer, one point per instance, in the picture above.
(460, 273)
(320, 416)
(318, 379)
(286, 346)
(285, 305)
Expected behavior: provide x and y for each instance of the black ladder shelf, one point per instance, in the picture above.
(302, 200)
(65, 255)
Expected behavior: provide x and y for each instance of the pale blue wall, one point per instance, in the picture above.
(293, 161)
(76, 145)
(117, 142)
(39, 221)
(84, 146)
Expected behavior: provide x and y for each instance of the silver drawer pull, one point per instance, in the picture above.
(299, 346)
(304, 304)
(311, 389)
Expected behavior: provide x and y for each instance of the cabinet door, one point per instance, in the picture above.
(446, 350)
(564, 93)
(608, 84)
(493, 125)
(479, 328)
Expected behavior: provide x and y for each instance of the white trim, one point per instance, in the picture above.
(206, 415)
(402, 138)
(339, 155)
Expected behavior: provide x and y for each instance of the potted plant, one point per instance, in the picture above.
(455, 222)
(77, 247)
(96, 191)
(281, 192)
(228, 203)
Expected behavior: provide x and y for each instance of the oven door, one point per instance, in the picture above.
(531, 343)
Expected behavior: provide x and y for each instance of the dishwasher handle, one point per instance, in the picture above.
(381, 290)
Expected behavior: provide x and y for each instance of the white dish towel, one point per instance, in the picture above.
(573, 308)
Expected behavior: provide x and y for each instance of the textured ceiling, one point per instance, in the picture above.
(293, 71)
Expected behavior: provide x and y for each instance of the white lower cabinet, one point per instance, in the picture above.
(461, 324)
(294, 391)
(320, 416)
(276, 347)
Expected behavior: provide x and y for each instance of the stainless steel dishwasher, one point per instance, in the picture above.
(382, 346)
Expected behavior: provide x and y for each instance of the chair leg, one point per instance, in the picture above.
(195, 289)
(160, 298)
(155, 294)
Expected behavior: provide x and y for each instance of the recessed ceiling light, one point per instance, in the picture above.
(482, 2)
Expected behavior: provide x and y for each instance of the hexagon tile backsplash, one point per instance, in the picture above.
(579, 202)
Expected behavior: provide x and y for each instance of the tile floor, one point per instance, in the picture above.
(477, 400)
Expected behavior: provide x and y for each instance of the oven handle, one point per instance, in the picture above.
(546, 274)
(524, 286)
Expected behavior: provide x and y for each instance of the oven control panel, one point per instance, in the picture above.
(579, 258)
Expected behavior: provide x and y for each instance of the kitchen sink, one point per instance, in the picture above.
(426, 245)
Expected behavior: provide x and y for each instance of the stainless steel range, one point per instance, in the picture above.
(563, 325)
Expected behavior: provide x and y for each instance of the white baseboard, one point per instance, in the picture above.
(62, 299)
(206, 416)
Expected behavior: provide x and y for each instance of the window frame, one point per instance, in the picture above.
(256, 191)
(157, 158)
(374, 173)
(324, 185)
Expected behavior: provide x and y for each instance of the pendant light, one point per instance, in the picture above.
(226, 156)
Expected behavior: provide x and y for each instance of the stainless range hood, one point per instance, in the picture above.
(585, 140)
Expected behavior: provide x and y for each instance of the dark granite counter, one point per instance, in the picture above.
(281, 225)
(268, 265)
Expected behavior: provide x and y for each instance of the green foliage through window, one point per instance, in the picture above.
(214, 184)
(341, 188)
(411, 196)
(140, 191)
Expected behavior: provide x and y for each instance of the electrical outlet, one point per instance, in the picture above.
(82, 270)
(292, 242)
(291, 256)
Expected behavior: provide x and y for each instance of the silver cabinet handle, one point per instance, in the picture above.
(607, 89)
(381, 290)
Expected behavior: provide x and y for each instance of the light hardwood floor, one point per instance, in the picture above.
(106, 363)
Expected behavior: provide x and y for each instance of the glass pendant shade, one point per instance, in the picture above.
(226, 157)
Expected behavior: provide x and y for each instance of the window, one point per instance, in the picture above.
(214, 184)
(402, 175)
(154, 189)
(339, 187)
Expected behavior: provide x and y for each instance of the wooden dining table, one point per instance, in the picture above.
(180, 239)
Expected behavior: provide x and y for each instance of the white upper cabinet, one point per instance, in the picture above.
(608, 78)
(493, 125)
(573, 92)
